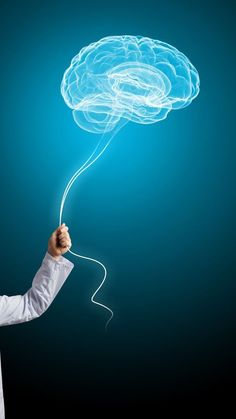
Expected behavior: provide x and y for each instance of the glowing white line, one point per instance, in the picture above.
(74, 177)
(82, 169)
(100, 286)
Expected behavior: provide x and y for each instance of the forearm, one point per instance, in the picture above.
(46, 284)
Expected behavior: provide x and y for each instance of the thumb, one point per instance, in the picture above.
(58, 229)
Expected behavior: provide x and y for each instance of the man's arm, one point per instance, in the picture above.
(46, 284)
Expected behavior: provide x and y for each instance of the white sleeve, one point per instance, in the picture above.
(46, 284)
(2, 410)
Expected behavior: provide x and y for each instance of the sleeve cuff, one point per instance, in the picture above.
(60, 261)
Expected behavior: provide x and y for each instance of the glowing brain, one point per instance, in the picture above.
(131, 77)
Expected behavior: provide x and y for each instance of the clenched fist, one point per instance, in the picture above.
(59, 242)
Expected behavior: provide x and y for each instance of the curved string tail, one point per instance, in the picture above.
(98, 151)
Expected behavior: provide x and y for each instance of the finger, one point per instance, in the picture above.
(64, 235)
(65, 242)
(61, 227)
(63, 230)
(58, 230)
(68, 246)
(60, 234)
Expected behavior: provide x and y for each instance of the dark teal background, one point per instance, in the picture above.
(158, 209)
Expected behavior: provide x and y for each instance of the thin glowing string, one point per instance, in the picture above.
(82, 169)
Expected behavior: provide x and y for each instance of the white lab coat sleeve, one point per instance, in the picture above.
(47, 282)
(2, 409)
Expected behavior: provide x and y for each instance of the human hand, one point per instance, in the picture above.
(59, 243)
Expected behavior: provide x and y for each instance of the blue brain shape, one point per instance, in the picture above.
(131, 77)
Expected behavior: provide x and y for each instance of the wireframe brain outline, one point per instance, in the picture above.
(131, 77)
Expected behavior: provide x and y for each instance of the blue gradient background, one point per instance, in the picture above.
(158, 209)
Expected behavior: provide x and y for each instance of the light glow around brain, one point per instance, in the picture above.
(131, 77)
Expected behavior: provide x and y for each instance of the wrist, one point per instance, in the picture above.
(56, 257)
